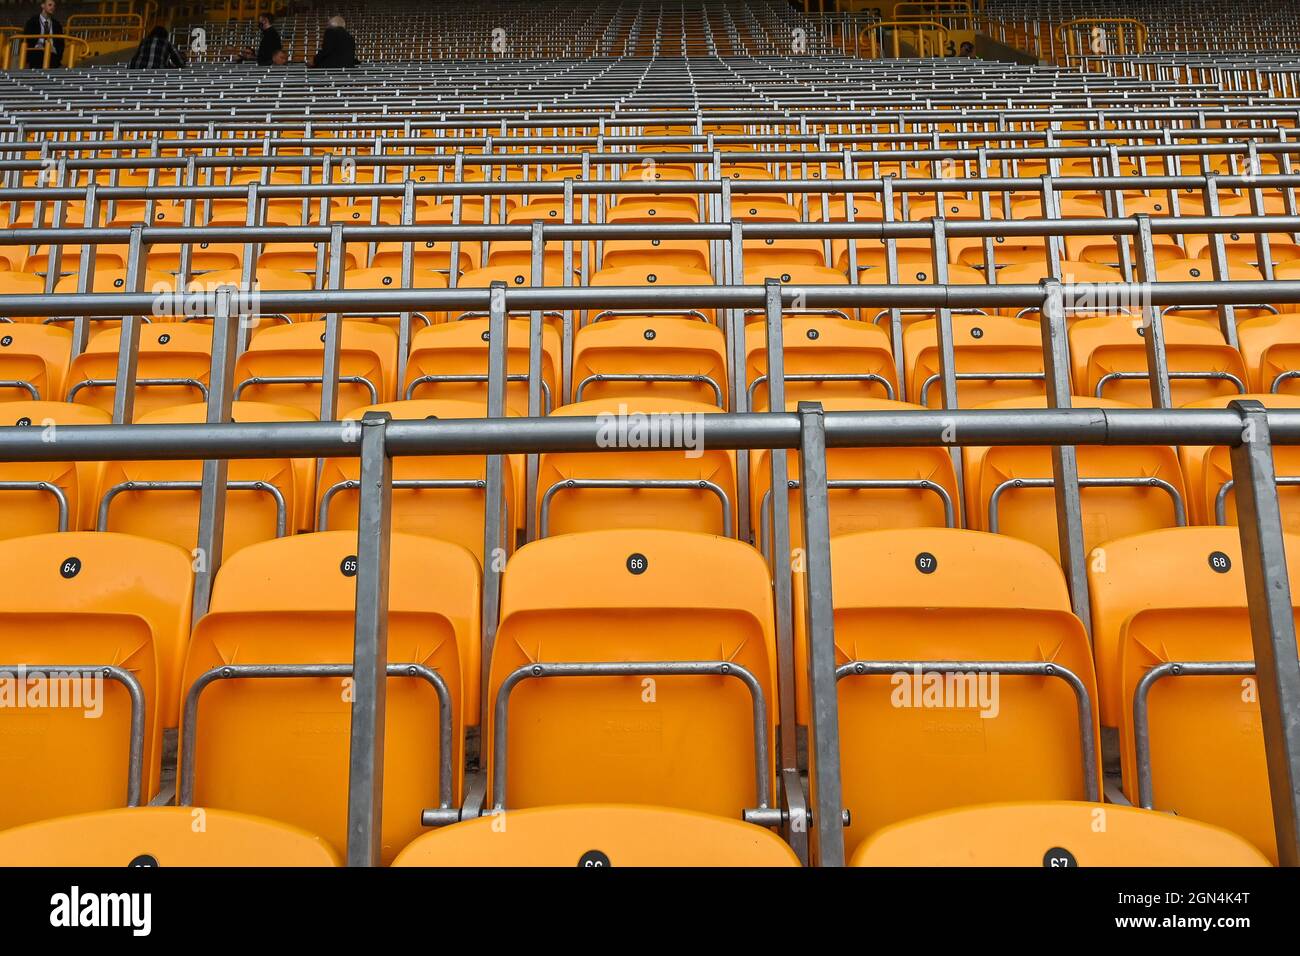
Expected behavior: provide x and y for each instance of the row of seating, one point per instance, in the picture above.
(674, 353)
(276, 746)
(1054, 834)
(623, 697)
(686, 485)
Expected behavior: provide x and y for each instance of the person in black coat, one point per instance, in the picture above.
(337, 47)
(43, 22)
(268, 44)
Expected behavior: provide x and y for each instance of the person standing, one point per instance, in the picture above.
(337, 47)
(156, 52)
(44, 25)
(268, 44)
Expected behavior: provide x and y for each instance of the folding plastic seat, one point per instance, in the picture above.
(80, 599)
(652, 209)
(912, 742)
(449, 507)
(283, 257)
(1055, 834)
(702, 495)
(1241, 250)
(134, 497)
(997, 357)
(391, 278)
(449, 361)
(1108, 355)
(1000, 496)
(265, 278)
(358, 211)
(1206, 487)
(1270, 345)
(795, 273)
(173, 367)
(279, 748)
(106, 257)
(1206, 748)
(1202, 270)
(685, 740)
(283, 365)
(914, 272)
(106, 280)
(163, 836)
(1098, 301)
(758, 208)
(595, 835)
(826, 358)
(434, 254)
(1105, 249)
(33, 361)
(653, 253)
(515, 274)
(234, 213)
(205, 257)
(735, 171)
(26, 510)
(871, 488)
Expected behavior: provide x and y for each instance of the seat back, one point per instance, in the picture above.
(650, 357)
(1002, 496)
(261, 500)
(279, 747)
(826, 359)
(1192, 576)
(444, 356)
(703, 496)
(913, 741)
(28, 510)
(1204, 732)
(173, 367)
(278, 356)
(33, 361)
(439, 510)
(674, 740)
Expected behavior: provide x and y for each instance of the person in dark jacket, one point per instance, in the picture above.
(156, 52)
(337, 47)
(268, 44)
(43, 24)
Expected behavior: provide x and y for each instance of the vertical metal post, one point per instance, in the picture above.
(85, 273)
(1219, 263)
(777, 533)
(407, 278)
(1153, 327)
(1272, 622)
(567, 322)
(535, 359)
(128, 349)
(493, 516)
(1065, 464)
(329, 382)
(370, 647)
(212, 495)
(734, 322)
(819, 621)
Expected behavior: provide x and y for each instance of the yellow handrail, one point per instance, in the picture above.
(921, 29)
(1100, 31)
(70, 51)
(106, 27)
(947, 11)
